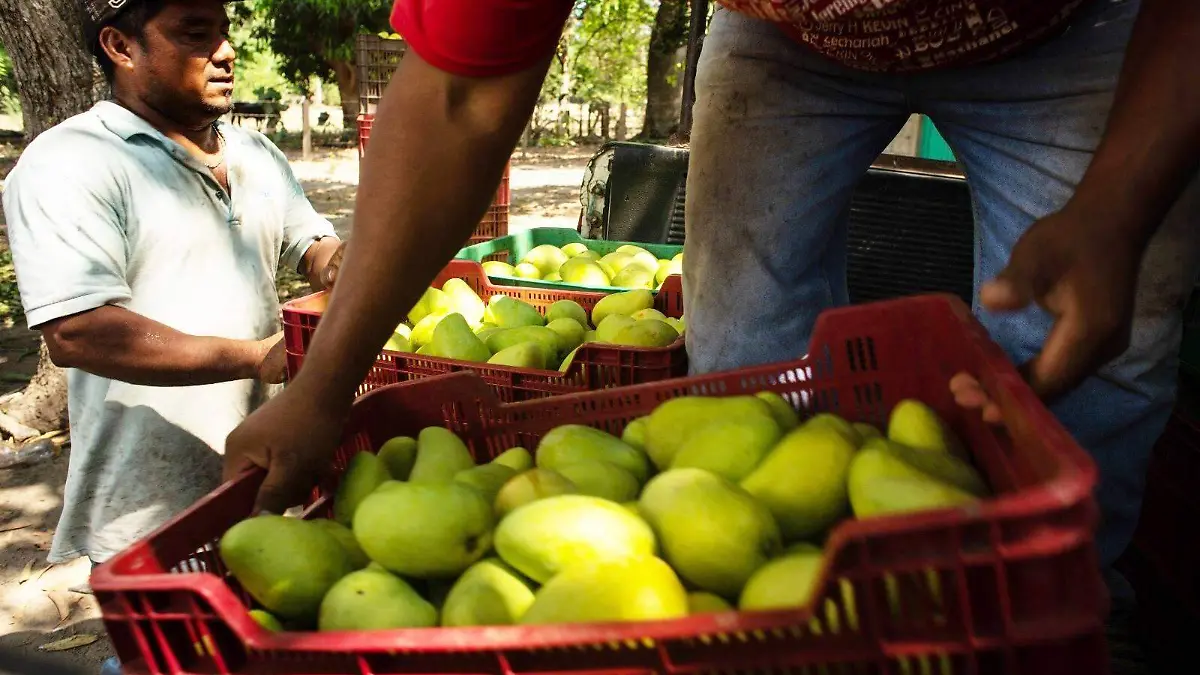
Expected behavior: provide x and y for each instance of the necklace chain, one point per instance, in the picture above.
(220, 150)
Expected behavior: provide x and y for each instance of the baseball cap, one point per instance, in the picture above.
(99, 13)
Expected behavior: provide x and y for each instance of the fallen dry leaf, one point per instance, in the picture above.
(73, 642)
(61, 604)
(26, 574)
(42, 573)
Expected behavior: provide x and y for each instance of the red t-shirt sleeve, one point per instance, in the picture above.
(481, 38)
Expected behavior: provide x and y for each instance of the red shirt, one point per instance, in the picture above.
(479, 38)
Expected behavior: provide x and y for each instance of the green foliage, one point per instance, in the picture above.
(610, 54)
(9, 102)
(11, 311)
(307, 36)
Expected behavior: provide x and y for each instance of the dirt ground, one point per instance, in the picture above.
(42, 603)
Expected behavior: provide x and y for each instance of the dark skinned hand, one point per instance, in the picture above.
(1087, 280)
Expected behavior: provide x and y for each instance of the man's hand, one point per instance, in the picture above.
(1086, 278)
(330, 271)
(291, 437)
(272, 366)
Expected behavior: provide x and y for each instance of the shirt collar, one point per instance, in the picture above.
(125, 123)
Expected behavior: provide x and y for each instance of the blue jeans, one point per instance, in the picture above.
(780, 138)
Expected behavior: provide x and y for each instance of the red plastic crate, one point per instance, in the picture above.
(595, 366)
(1020, 589)
(495, 221)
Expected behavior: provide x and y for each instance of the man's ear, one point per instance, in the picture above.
(118, 46)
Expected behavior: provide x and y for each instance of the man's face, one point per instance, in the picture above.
(183, 67)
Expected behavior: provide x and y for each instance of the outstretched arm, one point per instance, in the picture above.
(438, 148)
(116, 343)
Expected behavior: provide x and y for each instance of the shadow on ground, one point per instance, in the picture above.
(42, 603)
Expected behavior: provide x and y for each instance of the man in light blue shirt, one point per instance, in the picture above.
(146, 238)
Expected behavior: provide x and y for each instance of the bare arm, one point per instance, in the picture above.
(1081, 264)
(438, 148)
(1151, 146)
(122, 345)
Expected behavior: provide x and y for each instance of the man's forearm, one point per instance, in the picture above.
(122, 345)
(438, 148)
(1151, 146)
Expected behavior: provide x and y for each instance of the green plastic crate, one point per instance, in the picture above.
(513, 247)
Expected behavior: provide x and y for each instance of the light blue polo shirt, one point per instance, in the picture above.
(104, 209)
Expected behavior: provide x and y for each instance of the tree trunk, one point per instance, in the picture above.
(55, 75)
(605, 117)
(347, 83)
(664, 69)
(305, 129)
(622, 123)
(56, 79)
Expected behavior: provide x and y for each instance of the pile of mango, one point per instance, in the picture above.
(704, 505)
(453, 322)
(627, 267)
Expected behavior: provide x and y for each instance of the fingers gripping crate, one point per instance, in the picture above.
(1009, 586)
(493, 224)
(595, 366)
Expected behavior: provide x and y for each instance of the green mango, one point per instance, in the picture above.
(545, 537)
(363, 474)
(602, 479)
(398, 455)
(675, 421)
(496, 268)
(398, 343)
(803, 480)
(646, 333)
(575, 249)
(584, 271)
(635, 433)
(286, 564)
(440, 456)
(528, 271)
(570, 334)
(634, 276)
(546, 258)
(374, 600)
(345, 537)
(636, 588)
(517, 459)
(487, 479)
(694, 513)
(433, 302)
(571, 443)
(266, 620)
(508, 312)
(625, 303)
(611, 326)
(568, 361)
(466, 301)
(523, 355)
(543, 336)
(453, 339)
(730, 447)
(567, 309)
(785, 415)
(489, 593)
(422, 332)
(424, 530)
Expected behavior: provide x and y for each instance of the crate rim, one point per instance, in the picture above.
(1073, 484)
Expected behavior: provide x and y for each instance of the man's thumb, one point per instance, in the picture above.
(274, 495)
